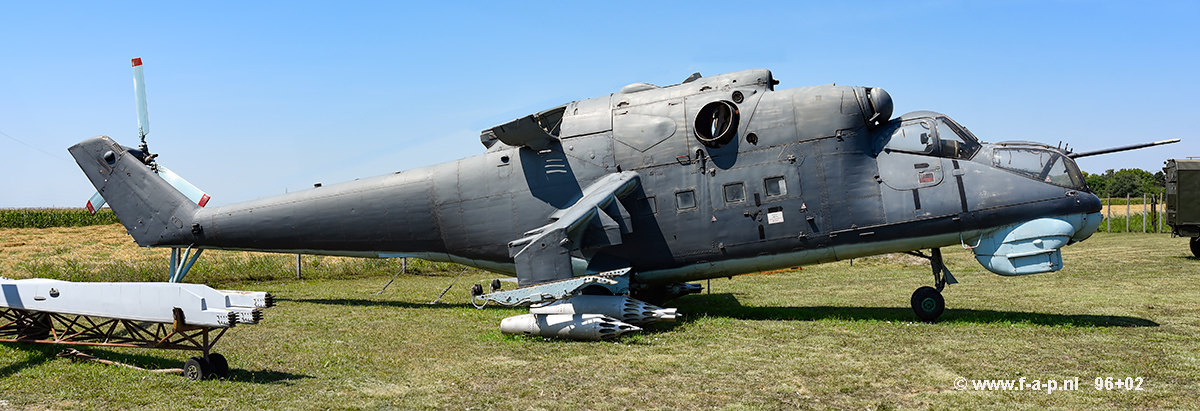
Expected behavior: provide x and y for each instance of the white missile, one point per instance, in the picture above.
(571, 326)
(623, 308)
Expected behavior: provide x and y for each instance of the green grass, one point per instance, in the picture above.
(54, 217)
(1116, 224)
(830, 336)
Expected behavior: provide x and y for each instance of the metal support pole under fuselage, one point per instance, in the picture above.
(182, 262)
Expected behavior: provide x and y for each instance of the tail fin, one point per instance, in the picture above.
(153, 212)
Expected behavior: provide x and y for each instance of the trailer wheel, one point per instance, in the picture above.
(1196, 247)
(196, 369)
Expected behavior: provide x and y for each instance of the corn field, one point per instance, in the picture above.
(54, 217)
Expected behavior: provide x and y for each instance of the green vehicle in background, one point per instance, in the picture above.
(1183, 199)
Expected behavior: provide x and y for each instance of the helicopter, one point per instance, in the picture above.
(604, 208)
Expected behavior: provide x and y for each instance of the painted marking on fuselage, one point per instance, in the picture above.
(962, 191)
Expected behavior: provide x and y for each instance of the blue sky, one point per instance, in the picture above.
(250, 99)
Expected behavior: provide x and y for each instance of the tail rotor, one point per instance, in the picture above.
(193, 193)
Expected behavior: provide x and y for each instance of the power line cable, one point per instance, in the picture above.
(35, 148)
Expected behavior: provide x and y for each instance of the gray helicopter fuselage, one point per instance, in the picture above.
(805, 175)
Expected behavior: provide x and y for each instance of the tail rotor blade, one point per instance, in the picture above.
(189, 190)
(139, 89)
(94, 204)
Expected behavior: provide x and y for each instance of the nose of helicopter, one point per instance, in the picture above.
(1091, 217)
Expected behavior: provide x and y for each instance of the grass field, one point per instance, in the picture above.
(830, 336)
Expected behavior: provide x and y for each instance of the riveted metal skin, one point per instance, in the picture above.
(621, 181)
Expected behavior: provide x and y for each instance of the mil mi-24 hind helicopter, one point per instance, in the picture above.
(602, 206)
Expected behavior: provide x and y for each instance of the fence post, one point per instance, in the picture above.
(1144, 215)
(1162, 213)
(297, 266)
(1152, 213)
(1127, 210)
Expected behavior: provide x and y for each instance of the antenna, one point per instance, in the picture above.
(1122, 148)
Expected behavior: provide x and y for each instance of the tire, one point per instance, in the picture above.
(1196, 247)
(196, 369)
(218, 365)
(928, 304)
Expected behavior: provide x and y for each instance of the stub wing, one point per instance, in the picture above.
(597, 219)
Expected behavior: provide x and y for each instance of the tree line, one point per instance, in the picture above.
(1128, 181)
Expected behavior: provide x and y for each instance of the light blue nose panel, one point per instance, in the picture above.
(1031, 247)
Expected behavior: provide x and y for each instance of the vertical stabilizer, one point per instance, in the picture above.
(154, 212)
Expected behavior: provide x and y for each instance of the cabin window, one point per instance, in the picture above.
(953, 145)
(685, 200)
(775, 186)
(735, 192)
(913, 137)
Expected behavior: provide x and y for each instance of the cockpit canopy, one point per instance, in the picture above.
(930, 134)
(1038, 163)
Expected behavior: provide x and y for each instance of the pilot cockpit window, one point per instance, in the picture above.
(1039, 164)
(953, 142)
(912, 137)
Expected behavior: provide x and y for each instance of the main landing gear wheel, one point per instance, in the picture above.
(196, 369)
(1196, 246)
(927, 302)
